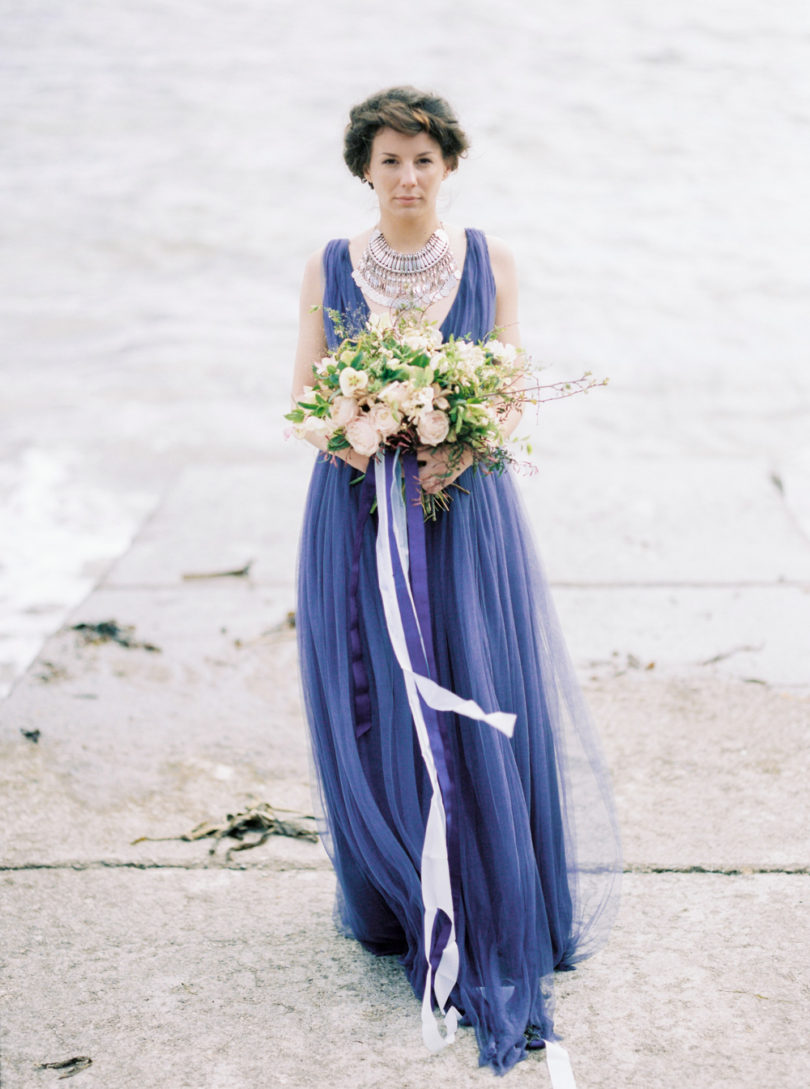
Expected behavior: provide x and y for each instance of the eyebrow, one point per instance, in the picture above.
(419, 154)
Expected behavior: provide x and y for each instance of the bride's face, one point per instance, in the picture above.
(406, 172)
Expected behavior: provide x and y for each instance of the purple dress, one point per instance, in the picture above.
(534, 854)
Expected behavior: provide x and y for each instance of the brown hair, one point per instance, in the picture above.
(405, 110)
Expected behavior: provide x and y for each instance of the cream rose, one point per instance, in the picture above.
(363, 436)
(383, 419)
(343, 410)
(313, 425)
(395, 393)
(419, 401)
(432, 427)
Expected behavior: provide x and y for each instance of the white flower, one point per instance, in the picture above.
(395, 393)
(504, 353)
(312, 425)
(351, 380)
(419, 341)
(471, 357)
(440, 363)
(432, 427)
(320, 368)
(383, 419)
(363, 436)
(343, 409)
(418, 401)
(380, 323)
(439, 399)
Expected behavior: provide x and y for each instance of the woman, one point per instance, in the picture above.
(532, 845)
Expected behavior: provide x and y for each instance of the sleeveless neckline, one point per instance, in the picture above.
(471, 315)
(366, 309)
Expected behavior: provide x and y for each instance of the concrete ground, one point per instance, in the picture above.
(173, 967)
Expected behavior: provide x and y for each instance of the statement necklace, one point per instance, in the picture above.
(407, 279)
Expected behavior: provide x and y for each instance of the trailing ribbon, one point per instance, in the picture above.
(402, 575)
(559, 1066)
(411, 641)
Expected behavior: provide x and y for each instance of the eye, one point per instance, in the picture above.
(388, 161)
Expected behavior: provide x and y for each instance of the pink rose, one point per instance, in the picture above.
(363, 436)
(383, 419)
(432, 427)
(343, 410)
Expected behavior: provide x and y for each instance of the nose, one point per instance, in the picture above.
(408, 175)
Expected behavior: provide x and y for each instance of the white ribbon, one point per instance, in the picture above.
(437, 892)
(559, 1066)
(435, 867)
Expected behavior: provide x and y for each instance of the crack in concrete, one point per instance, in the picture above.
(285, 867)
(107, 864)
(726, 871)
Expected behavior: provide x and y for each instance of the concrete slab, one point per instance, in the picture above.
(136, 743)
(678, 519)
(219, 517)
(708, 773)
(233, 980)
(753, 633)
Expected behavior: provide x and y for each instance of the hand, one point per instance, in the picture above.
(435, 472)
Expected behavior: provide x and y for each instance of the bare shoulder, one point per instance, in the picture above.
(504, 271)
(500, 255)
(314, 264)
(312, 280)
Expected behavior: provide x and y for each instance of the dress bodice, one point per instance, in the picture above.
(472, 314)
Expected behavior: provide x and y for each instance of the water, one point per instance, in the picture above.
(168, 167)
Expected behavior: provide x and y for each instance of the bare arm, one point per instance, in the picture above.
(312, 347)
(433, 473)
(504, 270)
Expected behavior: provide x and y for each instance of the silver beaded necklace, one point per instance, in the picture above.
(401, 280)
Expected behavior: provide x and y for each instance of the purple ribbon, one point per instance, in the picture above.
(416, 621)
(414, 608)
(361, 690)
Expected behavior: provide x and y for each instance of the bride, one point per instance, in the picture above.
(531, 839)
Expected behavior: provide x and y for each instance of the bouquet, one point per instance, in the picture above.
(398, 384)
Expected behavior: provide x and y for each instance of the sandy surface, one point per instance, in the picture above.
(166, 170)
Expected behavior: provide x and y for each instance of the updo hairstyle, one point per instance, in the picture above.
(405, 110)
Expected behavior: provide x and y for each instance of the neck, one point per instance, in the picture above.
(411, 235)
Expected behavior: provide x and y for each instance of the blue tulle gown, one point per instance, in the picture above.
(534, 854)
